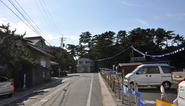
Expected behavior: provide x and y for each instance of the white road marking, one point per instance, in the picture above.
(90, 92)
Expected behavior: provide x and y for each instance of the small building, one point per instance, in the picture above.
(85, 65)
(39, 51)
(127, 67)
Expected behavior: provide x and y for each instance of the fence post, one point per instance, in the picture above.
(136, 90)
(110, 82)
(108, 79)
(119, 84)
(129, 94)
(114, 85)
(122, 91)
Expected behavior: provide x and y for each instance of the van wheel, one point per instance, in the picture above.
(166, 85)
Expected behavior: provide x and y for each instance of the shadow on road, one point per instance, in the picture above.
(157, 90)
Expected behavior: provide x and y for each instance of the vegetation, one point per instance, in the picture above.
(12, 50)
(153, 41)
(65, 60)
(12, 53)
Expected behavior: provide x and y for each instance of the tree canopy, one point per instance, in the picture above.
(12, 50)
(153, 41)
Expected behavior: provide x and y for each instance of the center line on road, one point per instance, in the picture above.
(90, 92)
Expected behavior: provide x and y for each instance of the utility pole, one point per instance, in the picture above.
(62, 48)
(133, 55)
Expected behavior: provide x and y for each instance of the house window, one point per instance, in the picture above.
(41, 44)
(43, 63)
(80, 62)
(86, 62)
(1, 40)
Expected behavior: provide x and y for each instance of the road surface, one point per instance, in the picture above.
(82, 89)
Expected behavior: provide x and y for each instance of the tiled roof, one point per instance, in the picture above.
(43, 52)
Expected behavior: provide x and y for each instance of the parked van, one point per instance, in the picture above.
(107, 70)
(151, 75)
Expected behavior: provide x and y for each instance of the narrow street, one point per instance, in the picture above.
(75, 90)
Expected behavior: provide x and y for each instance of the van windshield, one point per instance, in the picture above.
(135, 70)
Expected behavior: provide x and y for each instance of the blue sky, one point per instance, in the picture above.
(72, 17)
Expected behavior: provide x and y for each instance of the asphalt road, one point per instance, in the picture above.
(150, 94)
(82, 89)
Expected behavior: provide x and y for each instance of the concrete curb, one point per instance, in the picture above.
(107, 98)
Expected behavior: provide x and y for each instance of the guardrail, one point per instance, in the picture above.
(129, 96)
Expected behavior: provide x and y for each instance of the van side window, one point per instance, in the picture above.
(142, 71)
(166, 69)
(153, 70)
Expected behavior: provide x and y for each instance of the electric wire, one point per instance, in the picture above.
(28, 23)
(31, 25)
(32, 21)
(51, 17)
(54, 30)
(18, 16)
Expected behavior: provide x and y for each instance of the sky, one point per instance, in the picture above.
(69, 18)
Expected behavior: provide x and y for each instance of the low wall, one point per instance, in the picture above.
(179, 74)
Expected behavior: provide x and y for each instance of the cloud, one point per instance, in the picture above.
(141, 21)
(130, 4)
(21, 28)
(179, 15)
(72, 37)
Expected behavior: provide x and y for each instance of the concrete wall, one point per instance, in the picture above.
(38, 75)
(179, 74)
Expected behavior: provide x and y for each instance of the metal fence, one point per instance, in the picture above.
(128, 95)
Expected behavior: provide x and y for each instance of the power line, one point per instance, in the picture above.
(17, 16)
(51, 17)
(53, 29)
(32, 20)
(23, 16)
(28, 23)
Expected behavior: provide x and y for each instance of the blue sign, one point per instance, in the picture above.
(24, 81)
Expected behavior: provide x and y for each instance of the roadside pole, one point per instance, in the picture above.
(136, 90)
(129, 94)
(119, 84)
(122, 91)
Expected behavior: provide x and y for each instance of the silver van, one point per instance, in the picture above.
(151, 75)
